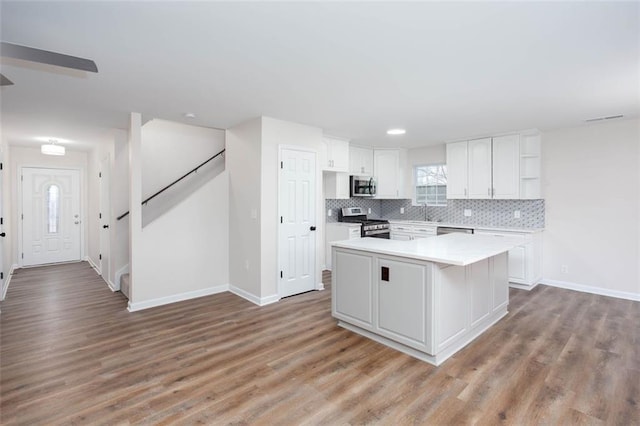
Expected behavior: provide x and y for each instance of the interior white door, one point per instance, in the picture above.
(104, 219)
(51, 220)
(297, 221)
(2, 232)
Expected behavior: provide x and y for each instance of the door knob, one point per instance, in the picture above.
(76, 222)
(3, 234)
(313, 228)
(105, 226)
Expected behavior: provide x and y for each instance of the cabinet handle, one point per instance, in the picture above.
(489, 192)
(384, 272)
(493, 192)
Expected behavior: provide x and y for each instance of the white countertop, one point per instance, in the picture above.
(458, 225)
(452, 249)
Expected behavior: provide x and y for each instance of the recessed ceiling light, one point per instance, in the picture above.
(189, 115)
(396, 131)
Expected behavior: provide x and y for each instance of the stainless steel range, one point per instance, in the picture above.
(376, 228)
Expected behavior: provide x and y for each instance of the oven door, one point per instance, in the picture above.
(378, 233)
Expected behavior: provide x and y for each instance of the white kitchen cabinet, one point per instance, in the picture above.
(479, 168)
(525, 261)
(339, 231)
(502, 167)
(360, 160)
(402, 302)
(336, 185)
(337, 154)
(407, 232)
(352, 289)
(457, 170)
(387, 164)
(506, 167)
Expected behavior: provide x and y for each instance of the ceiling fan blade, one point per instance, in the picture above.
(4, 81)
(17, 51)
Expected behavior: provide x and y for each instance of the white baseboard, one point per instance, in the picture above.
(260, 301)
(6, 283)
(320, 286)
(138, 306)
(593, 290)
(93, 265)
(112, 286)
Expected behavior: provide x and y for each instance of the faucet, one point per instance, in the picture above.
(424, 211)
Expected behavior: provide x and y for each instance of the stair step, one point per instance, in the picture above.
(124, 284)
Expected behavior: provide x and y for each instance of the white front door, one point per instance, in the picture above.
(297, 245)
(2, 234)
(51, 220)
(104, 219)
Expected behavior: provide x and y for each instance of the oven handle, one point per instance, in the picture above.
(376, 232)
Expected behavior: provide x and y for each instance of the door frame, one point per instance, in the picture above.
(18, 208)
(105, 272)
(282, 147)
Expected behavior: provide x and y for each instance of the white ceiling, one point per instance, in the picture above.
(441, 70)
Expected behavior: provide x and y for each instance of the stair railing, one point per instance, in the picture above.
(194, 170)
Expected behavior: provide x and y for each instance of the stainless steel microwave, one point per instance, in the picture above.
(362, 186)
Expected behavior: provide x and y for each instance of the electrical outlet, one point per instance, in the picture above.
(564, 269)
(246, 265)
(401, 210)
(369, 210)
(467, 212)
(329, 213)
(516, 214)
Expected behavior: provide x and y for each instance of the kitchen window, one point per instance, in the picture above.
(430, 183)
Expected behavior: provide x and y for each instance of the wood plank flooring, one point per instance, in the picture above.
(72, 354)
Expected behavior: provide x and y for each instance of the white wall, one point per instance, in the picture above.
(119, 188)
(591, 185)
(169, 150)
(244, 150)
(276, 133)
(31, 157)
(185, 253)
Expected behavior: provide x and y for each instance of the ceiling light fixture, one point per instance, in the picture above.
(52, 149)
(396, 131)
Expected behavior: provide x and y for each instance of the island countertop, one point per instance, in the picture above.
(452, 249)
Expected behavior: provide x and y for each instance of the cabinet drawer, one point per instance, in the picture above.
(354, 233)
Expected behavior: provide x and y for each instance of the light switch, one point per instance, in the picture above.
(369, 210)
(329, 213)
(401, 210)
(516, 214)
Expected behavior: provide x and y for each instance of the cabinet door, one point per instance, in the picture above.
(402, 302)
(337, 154)
(400, 236)
(451, 304)
(506, 167)
(353, 290)
(517, 264)
(481, 291)
(387, 166)
(360, 161)
(457, 170)
(479, 152)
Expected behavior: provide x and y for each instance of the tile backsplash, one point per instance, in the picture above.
(498, 213)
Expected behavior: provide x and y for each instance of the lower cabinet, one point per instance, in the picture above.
(525, 261)
(352, 290)
(402, 301)
(406, 232)
(432, 308)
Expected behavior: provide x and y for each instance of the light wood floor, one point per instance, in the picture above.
(72, 354)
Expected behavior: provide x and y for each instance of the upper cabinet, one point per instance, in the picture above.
(337, 154)
(502, 167)
(360, 161)
(389, 166)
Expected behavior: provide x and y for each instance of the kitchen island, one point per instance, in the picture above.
(427, 297)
